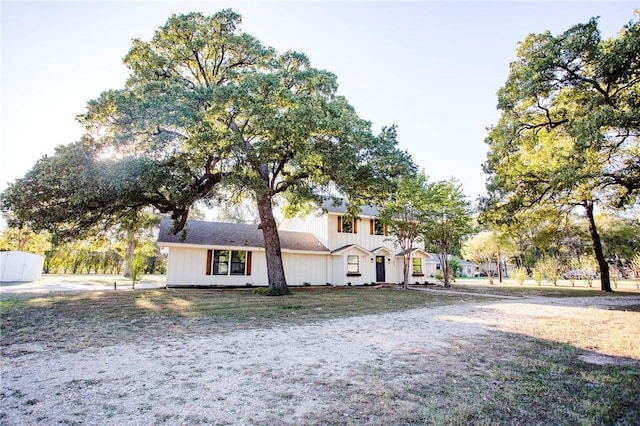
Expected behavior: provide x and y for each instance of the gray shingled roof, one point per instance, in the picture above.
(341, 208)
(235, 235)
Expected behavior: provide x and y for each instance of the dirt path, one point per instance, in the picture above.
(299, 374)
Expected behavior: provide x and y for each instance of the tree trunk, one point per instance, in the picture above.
(447, 272)
(499, 264)
(605, 282)
(22, 242)
(131, 248)
(489, 272)
(275, 268)
(405, 268)
(444, 267)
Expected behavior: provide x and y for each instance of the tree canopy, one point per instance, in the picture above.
(568, 134)
(447, 222)
(405, 214)
(207, 110)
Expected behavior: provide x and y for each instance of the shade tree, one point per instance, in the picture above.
(447, 222)
(482, 248)
(568, 134)
(405, 213)
(209, 109)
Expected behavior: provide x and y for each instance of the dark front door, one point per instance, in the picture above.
(380, 269)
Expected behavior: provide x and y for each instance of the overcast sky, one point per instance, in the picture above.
(431, 68)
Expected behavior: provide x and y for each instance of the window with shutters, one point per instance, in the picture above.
(228, 262)
(238, 259)
(347, 225)
(377, 227)
(221, 262)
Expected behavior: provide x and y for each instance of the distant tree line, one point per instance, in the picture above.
(105, 253)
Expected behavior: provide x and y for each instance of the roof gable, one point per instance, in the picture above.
(350, 246)
(414, 250)
(234, 235)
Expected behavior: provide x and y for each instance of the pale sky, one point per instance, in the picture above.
(431, 68)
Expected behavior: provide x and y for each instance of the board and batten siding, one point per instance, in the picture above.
(362, 237)
(305, 268)
(311, 223)
(366, 264)
(188, 266)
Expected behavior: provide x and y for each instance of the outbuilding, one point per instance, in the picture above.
(20, 266)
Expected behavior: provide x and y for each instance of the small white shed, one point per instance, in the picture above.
(20, 266)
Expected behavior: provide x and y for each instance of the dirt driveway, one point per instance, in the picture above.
(344, 371)
(89, 282)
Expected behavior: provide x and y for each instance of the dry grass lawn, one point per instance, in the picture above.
(320, 356)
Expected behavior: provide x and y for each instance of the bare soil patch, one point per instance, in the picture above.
(186, 357)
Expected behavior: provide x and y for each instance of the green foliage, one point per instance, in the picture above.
(537, 274)
(482, 249)
(635, 268)
(24, 239)
(206, 111)
(488, 247)
(448, 221)
(549, 267)
(568, 134)
(268, 291)
(455, 267)
(138, 267)
(520, 275)
(77, 192)
(406, 213)
(620, 236)
(589, 264)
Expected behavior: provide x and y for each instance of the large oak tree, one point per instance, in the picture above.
(209, 108)
(568, 134)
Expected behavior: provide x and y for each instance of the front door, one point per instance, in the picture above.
(380, 269)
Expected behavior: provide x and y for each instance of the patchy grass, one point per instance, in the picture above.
(510, 287)
(73, 321)
(503, 379)
(543, 368)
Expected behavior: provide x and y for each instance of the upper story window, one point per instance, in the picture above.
(377, 227)
(228, 262)
(347, 225)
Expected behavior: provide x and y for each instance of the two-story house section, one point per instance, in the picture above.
(323, 247)
(362, 251)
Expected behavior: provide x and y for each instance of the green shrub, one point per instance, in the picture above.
(550, 269)
(520, 275)
(267, 291)
(138, 268)
(537, 275)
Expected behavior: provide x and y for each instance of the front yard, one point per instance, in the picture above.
(321, 356)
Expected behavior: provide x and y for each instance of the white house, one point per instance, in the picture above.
(433, 268)
(318, 249)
